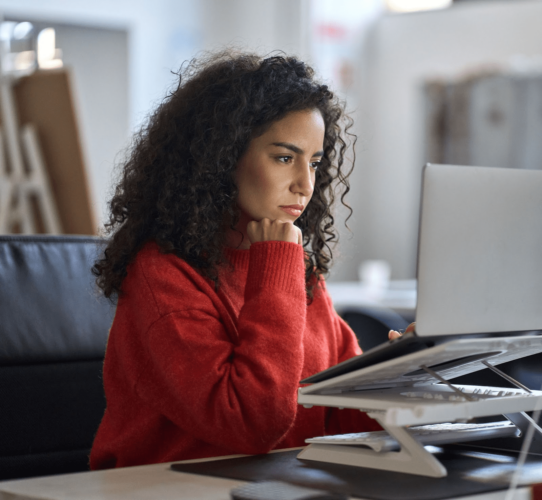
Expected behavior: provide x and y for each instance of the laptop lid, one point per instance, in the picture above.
(479, 251)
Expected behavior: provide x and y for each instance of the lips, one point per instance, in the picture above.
(295, 210)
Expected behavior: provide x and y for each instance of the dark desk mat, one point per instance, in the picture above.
(469, 473)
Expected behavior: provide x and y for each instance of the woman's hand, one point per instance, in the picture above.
(274, 230)
(394, 335)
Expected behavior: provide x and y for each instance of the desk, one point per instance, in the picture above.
(146, 482)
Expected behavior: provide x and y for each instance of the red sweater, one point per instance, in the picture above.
(190, 372)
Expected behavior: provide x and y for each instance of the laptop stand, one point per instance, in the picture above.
(397, 395)
(413, 458)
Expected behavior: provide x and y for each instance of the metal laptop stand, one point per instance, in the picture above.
(413, 390)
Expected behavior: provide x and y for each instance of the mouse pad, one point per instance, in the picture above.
(469, 472)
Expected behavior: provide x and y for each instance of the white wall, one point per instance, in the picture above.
(403, 51)
(262, 25)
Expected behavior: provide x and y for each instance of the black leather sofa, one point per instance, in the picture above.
(53, 333)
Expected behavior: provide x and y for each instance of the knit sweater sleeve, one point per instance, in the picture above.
(238, 395)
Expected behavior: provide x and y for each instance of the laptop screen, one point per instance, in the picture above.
(479, 251)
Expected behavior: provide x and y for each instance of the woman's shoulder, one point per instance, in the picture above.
(151, 259)
(166, 277)
(151, 263)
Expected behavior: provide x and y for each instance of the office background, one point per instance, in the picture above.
(123, 52)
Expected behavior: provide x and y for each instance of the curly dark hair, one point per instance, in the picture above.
(177, 185)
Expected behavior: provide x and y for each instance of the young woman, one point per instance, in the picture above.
(220, 229)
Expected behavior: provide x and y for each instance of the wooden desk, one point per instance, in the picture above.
(148, 482)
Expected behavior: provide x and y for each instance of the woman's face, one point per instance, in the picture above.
(275, 176)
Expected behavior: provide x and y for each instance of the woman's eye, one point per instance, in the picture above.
(315, 165)
(285, 159)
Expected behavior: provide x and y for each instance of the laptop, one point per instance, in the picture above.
(479, 271)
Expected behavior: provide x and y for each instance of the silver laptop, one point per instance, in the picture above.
(480, 251)
(479, 261)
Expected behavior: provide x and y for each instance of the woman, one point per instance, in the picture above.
(220, 229)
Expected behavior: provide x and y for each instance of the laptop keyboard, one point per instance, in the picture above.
(434, 434)
(478, 393)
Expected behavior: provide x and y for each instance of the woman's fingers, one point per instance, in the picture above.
(393, 334)
(273, 230)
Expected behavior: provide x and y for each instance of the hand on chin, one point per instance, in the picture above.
(273, 230)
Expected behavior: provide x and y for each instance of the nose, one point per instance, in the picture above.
(303, 181)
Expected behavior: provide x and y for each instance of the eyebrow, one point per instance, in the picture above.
(294, 148)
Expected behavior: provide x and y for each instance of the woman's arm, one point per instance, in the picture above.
(239, 396)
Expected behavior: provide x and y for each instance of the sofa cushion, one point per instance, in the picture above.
(50, 308)
(50, 407)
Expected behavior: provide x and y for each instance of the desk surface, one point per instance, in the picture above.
(146, 482)
(130, 483)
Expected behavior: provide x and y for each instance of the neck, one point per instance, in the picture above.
(238, 238)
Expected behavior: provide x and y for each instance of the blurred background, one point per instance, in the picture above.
(425, 80)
